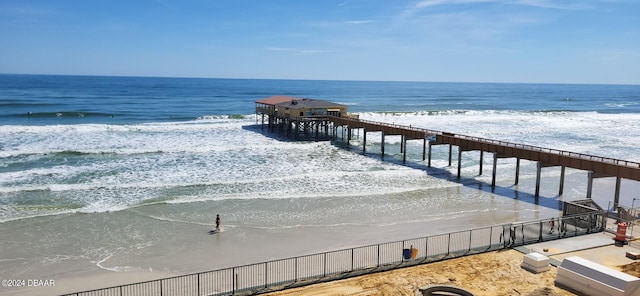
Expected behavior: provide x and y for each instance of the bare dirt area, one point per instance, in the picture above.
(487, 274)
(632, 269)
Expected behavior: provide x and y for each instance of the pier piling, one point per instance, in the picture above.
(335, 116)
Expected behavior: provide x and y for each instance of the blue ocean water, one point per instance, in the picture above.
(121, 173)
(94, 144)
(44, 100)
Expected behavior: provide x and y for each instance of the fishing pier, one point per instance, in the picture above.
(318, 119)
(321, 120)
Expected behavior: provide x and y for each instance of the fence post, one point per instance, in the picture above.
(199, 284)
(490, 237)
(351, 259)
(233, 280)
(266, 274)
(161, 287)
(469, 249)
(378, 264)
(325, 264)
(540, 231)
(426, 248)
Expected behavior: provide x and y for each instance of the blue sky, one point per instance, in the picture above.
(557, 41)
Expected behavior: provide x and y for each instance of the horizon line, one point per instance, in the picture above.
(310, 79)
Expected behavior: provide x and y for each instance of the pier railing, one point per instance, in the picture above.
(605, 165)
(601, 159)
(314, 268)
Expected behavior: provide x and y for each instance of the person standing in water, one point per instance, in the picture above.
(218, 222)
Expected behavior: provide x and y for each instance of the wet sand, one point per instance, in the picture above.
(110, 249)
(97, 250)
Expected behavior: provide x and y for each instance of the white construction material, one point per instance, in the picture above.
(593, 279)
(535, 262)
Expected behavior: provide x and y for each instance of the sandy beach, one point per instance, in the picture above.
(492, 273)
(171, 246)
(488, 274)
(101, 250)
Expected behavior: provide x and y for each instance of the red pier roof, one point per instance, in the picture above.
(276, 100)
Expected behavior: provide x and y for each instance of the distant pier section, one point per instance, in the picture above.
(320, 120)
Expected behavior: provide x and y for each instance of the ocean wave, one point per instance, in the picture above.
(80, 187)
(159, 218)
(621, 104)
(15, 155)
(60, 114)
(99, 197)
(216, 159)
(100, 264)
(13, 217)
(227, 116)
(101, 208)
(24, 103)
(87, 117)
(466, 112)
(348, 103)
(66, 153)
(561, 111)
(291, 193)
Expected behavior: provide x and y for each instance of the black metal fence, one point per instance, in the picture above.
(303, 270)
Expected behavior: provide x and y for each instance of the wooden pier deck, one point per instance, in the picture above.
(596, 166)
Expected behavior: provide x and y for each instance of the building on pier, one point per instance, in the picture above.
(290, 107)
(309, 107)
(299, 115)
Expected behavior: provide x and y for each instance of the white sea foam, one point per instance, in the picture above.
(584, 132)
(12, 215)
(98, 168)
(101, 265)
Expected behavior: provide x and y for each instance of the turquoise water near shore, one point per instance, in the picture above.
(115, 174)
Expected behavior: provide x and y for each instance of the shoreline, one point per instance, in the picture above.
(80, 274)
(484, 274)
(168, 239)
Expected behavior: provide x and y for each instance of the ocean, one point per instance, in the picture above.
(127, 174)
